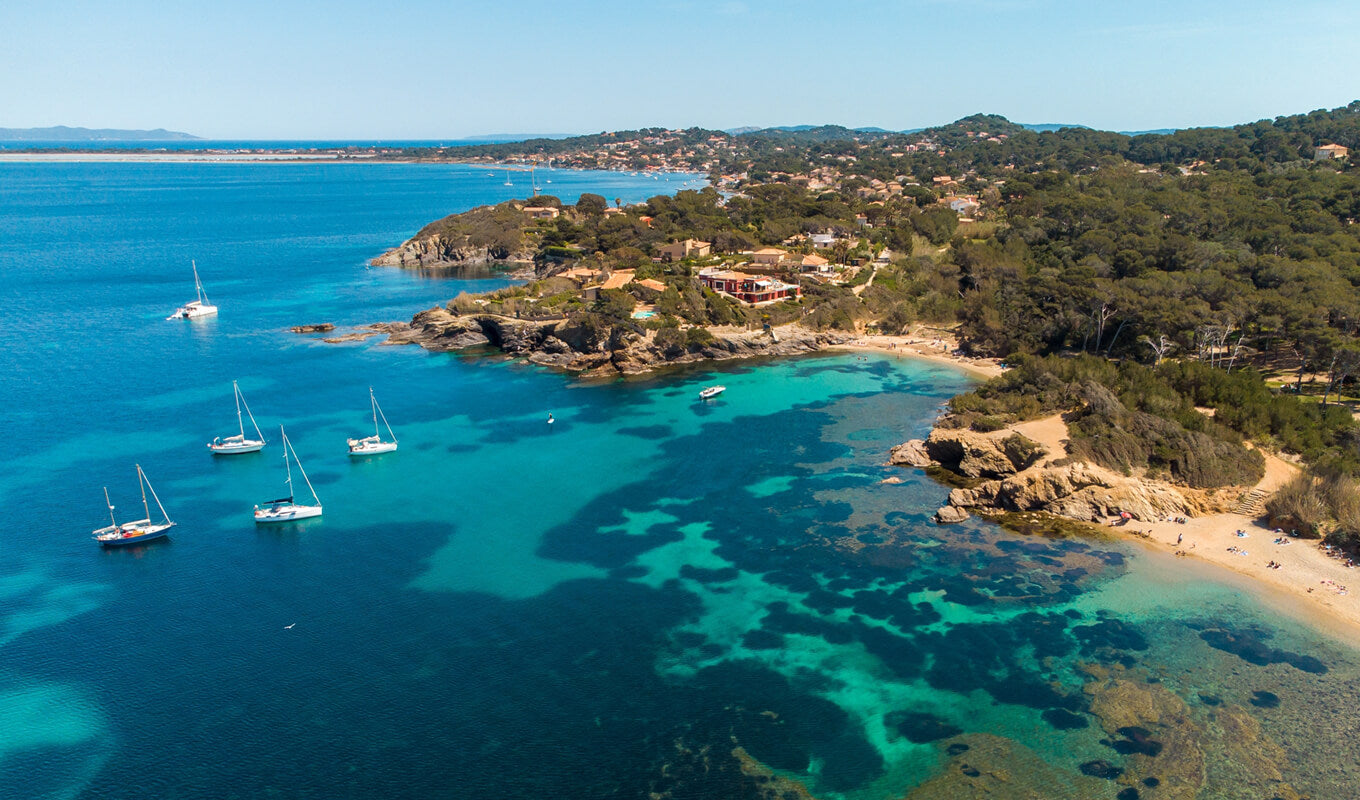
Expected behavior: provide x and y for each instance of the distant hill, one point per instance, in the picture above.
(61, 133)
(1044, 127)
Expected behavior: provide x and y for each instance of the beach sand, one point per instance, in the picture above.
(1310, 584)
(927, 346)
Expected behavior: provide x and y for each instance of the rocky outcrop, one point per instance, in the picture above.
(585, 347)
(950, 514)
(317, 327)
(980, 455)
(441, 251)
(910, 454)
(1085, 492)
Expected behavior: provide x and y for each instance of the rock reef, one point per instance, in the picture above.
(580, 347)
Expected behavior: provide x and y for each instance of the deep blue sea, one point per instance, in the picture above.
(652, 597)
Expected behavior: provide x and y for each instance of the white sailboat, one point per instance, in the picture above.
(137, 531)
(235, 445)
(195, 309)
(284, 509)
(372, 445)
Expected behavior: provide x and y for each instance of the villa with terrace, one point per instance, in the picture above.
(753, 290)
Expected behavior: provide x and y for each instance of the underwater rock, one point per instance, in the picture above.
(986, 767)
(1152, 726)
(1101, 768)
(921, 728)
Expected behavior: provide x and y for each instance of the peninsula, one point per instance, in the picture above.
(1182, 307)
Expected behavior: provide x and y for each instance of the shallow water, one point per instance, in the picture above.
(652, 595)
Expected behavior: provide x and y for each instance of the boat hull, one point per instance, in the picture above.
(235, 449)
(289, 513)
(151, 535)
(357, 451)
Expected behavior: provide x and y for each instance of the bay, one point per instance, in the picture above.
(651, 595)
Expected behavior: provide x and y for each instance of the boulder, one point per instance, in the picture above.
(316, 327)
(950, 514)
(910, 454)
(978, 455)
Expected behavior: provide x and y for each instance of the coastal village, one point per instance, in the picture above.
(824, 253)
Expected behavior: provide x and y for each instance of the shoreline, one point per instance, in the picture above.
(1296, 589)
(915, 348)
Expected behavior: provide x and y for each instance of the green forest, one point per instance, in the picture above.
(1212, 267)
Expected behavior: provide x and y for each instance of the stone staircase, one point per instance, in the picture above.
(1252, 503)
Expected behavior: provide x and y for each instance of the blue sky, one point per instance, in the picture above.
(425, 69)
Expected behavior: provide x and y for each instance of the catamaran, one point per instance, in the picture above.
(195, 309)
(137, 531)
(284, 509)
(234, 445)
(372, 445)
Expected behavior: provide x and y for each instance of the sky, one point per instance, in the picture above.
(422, 69)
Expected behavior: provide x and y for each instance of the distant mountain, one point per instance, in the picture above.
(61, 133)
(1156, 131)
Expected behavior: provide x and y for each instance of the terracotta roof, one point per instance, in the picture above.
(769, 251)
(814, 261)
(619, 279)
(652, 283)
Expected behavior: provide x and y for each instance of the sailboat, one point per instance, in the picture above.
(137, 531)
(234, 445)
(195, 309)
(507, 178)
(372, 445)
(284, 509)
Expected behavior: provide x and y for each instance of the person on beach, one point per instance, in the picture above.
(1179, 537)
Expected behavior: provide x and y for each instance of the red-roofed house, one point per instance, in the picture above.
(751, 289)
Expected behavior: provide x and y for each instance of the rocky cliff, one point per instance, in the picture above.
(442, 251)
(1010, 472)
(582, 347)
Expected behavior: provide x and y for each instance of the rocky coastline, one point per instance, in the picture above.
(442, 251)
(1007, 471)
(584, 348)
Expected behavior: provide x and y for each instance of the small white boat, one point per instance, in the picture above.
(196, 309)
(711, 392)
(372, 445)
(235, 445)
(284, 509)
(137, 531)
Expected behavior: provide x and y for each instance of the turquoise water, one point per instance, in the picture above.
(609, 606)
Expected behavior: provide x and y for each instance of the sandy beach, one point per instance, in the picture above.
(928, 345)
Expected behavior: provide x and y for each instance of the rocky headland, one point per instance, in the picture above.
(1026, 468)
(579, 346)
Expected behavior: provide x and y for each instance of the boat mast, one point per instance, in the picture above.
(239, 423)
(374, 401)
(241, 401)
(202, 298)
(288, 446)
(378, 412)
(109, 503)
(141, 476)
(141, 484)
(288, 469)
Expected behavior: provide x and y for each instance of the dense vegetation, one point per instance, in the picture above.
(1182, 267)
